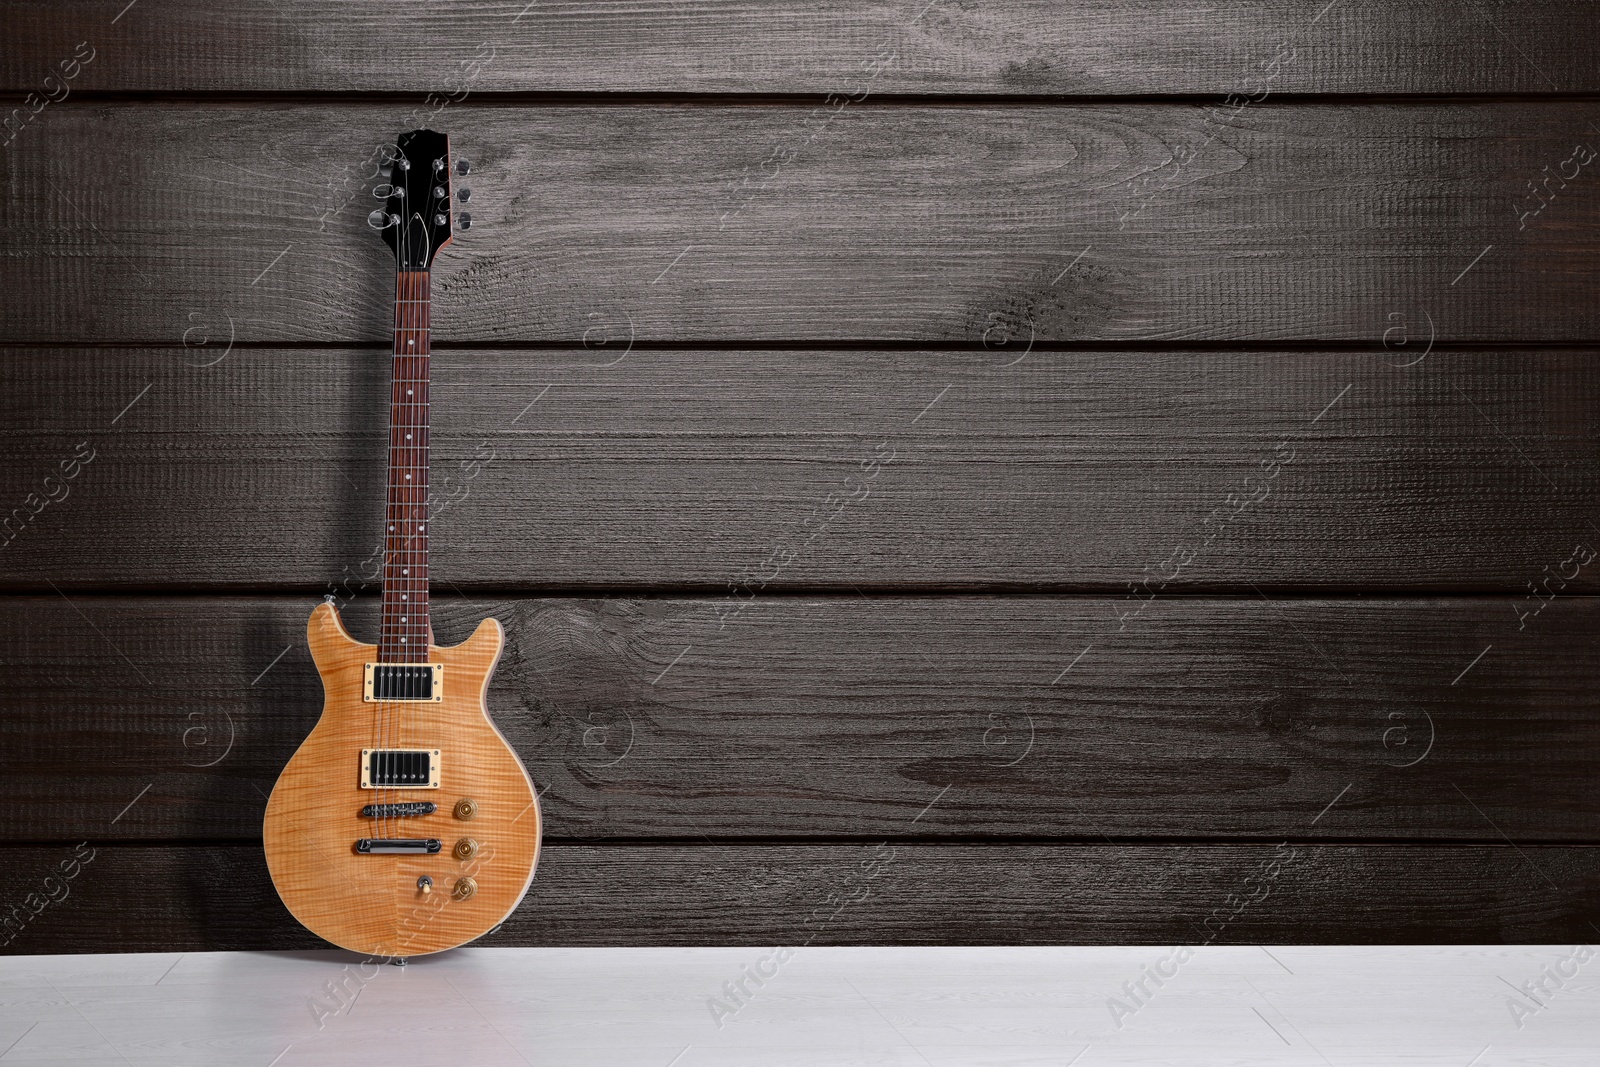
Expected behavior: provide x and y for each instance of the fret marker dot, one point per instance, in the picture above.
(408, 392)
(391, 529)
(411, 342)
(402, 640)
(402, 596)
(408, 437)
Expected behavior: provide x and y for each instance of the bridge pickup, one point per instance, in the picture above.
(397, 846)
(399, 811)
(415, 682)
(394, 768)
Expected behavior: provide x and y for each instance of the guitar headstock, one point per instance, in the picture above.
(416, 220)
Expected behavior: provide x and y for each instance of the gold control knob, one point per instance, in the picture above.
(465, 887)
(466, 808)
(466, 848)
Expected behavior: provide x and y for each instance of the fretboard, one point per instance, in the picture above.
(406, 631)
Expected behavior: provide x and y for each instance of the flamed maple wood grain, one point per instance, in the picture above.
(828, 717)
(372, 904)
(921, 223)
(1071, 470)
(810, 46)
(190, 898)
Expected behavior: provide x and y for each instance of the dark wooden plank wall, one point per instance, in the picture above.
(674, 469)
(1218, 386)
(1010, 47)
(844, 716)
(911, 223)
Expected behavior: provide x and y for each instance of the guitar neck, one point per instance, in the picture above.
(406, 631)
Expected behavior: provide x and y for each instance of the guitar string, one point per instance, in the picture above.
(411, 505)
(420, 419)
(420, 414)
(406, 365)
(397, 420)
(385, 636)
(393, 518)
(397, 518)
(407, 548)
(401, 498)
(373, 761)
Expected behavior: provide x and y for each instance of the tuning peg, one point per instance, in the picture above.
(463, 167)
(440, 219)
(438, 165)
(464, 221)
(463, 195)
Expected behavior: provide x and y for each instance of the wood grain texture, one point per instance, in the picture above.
(845, 716)
(811, 46)
(373, 904)
(1076, 470)
(176, 898)
(760, 223)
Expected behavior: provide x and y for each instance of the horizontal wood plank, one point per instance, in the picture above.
(1020, 717)
(1156, 222)
(810, 46)
(601, 468)
(883, 893)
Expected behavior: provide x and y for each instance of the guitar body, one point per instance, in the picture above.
(373, 903)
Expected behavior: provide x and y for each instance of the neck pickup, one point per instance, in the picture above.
(417, 682)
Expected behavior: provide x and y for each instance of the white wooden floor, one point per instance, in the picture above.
(929, 1007)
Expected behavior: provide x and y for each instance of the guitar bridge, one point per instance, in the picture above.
(399, 811)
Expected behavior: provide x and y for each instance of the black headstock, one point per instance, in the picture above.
(416, 219)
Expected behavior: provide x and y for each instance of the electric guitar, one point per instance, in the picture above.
(404, 824)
